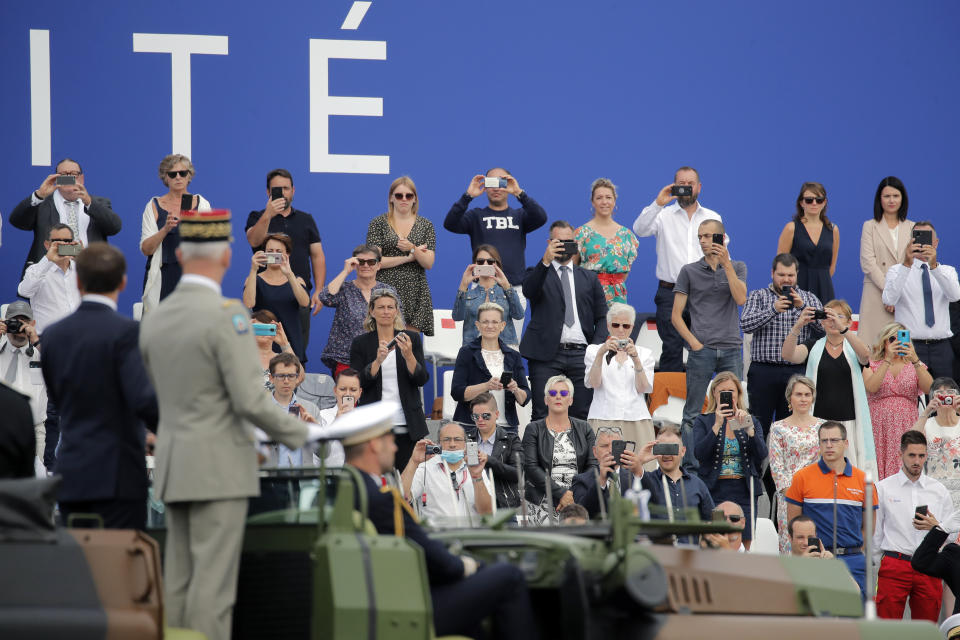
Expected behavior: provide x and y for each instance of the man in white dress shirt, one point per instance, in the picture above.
(51, 283)
(921, 290)
(899, 533)
(20, 363)
(675, 227)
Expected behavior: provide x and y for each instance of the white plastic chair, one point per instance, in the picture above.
(765, 539)
(318, 389)
(671, 412)
(650, 339)
(449, 404)
(442, 347)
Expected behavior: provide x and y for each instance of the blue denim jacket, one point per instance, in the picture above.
(465, 308)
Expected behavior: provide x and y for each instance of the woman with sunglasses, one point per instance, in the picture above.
(485, 289)
(482, 366)
(158, 229)
(728, 444)
(606, 247)
(390, 361)
(813, 240)
(620, 373)
(894, 381)
(408, 244)
(350, 299)
(555, 449)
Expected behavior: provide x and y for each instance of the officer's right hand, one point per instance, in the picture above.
(475, 188)
(48, 186)
(665, 195)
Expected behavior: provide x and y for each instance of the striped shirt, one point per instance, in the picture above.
(770, 328)
(816, 486)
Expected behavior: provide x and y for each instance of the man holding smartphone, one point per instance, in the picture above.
(804, 542)
(905, 499)
(617, 459)
(921, 290)
(285, 374)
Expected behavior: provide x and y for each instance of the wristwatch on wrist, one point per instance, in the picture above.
(478, 480)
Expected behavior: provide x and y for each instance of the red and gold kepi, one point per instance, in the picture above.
(205, 226)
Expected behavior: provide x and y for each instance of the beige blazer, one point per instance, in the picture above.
(877, 254)
(200, 353)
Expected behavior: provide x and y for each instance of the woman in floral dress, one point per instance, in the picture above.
(940, 423)
(794, 444)
(606, 247)
(894, 380)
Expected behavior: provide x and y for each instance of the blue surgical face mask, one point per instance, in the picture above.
(452, 457)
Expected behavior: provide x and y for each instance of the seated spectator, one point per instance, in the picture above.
(496, 289)
(893, 381)
(408, 243)
(285, 374)
(502, 447)
(481, 366)
(559, 445)
(793, 445)
(607, 247)
(350, 299)
(615, 474)
(267, 345)
(573, 515)
(278, 289)
(20, 364)
(620, 373)
(158, 229)
(390, 362)
(684, 488)
(714, 335)
(732, 541)
(838, 357)
(51, 283)
(730, 449)
(427, 480)
(929, 559)
(940, 423)
(346, 391)
(801, 529)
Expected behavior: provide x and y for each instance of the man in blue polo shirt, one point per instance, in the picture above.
(832, 492)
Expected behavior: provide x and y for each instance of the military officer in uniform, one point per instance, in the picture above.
(463, 593)
(200, 353)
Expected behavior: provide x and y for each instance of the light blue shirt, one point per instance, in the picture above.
(287, 457)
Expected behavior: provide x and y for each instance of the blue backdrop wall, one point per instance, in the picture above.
(758, 96)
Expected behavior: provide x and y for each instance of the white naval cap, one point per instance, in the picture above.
(949, 625)
(364, 423)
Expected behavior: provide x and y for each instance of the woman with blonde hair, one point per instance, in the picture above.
(408, 243)
(894, 382)
(793, 444)
(606, 247)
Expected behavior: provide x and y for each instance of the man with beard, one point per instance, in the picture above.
(675, 227)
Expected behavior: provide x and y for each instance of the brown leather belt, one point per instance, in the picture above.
(667, 285)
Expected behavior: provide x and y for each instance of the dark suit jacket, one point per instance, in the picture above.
(104, 222)
(18, 444)
(541, 287)
(708, 449)
(503, 463)
(363, 352)
(96, 378)
(585, 490)
(470, 369)
(538, 456)
(945, 564)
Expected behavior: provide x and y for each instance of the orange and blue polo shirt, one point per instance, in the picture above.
(814, 488)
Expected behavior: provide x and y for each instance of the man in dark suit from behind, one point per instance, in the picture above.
(568, 311)
(90, 217)
(18, 445)
(94, 373)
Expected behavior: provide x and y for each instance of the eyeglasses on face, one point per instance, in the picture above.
(452, 440)
(831, 440)
(818, 200)
(369, 262)
(617, 325)
(562, 392)
(403, 196)
(486, 415)
(489, 261)
(75, 174)
(284, 376)
(183, 173)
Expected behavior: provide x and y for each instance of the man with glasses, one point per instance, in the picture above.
(616, 474)
(306, 258)
(501, 447)
(63, 198)
(832, 492)
(285, 373)
(443, 487)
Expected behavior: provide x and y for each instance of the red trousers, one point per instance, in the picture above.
(897, 581)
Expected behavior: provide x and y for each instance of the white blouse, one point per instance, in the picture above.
(617, 398)
(391, 390)
(494, 362)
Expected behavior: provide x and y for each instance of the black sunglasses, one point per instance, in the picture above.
(367, 261)
(811, 200)
(486, 261)
(617, 325)
(484, 415)
(183, 173)
(404, 196)
(734, 518)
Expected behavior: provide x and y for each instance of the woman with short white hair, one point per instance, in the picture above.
(620, 373)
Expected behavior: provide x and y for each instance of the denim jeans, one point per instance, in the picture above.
(701, 365)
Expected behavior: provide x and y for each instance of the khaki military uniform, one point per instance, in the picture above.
(200, 353)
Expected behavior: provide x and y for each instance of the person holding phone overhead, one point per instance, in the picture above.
(940, 423)
(813, 240)
(159, 228)
(730, 449)
(893, 380)
(490, 284)
(606, 247)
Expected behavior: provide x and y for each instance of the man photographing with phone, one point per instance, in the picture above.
(617, 459)
(285, 374)
(804, 542)
(921, 290)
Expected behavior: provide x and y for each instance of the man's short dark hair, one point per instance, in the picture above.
(100, 268)
(283, 173)
(573, 511)
(833, 424)
(484, 398)
(800, 518)
(686, 169)
(912, 437)
(786, 259)
(56, 167)
(59, 227)
(560, 224)
(350, 373)
(287, 359)
(367, 248)
(924, 223)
